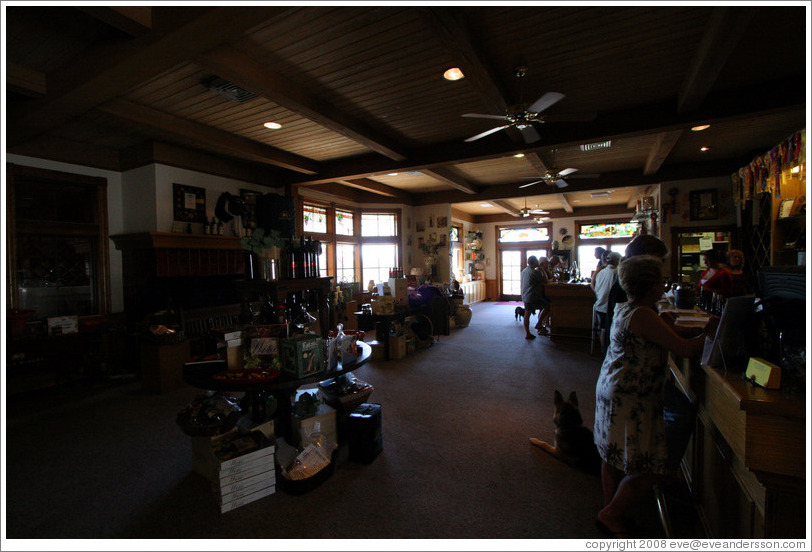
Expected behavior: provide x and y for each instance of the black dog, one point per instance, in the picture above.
(519, 312)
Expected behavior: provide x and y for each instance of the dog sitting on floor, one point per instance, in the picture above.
(573, 443)
(519, 312)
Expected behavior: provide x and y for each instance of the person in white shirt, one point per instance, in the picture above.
(601, 284)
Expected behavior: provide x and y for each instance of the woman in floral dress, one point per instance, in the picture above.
(629, 426)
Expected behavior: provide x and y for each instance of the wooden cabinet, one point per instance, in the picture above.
(570, 310)
(745, 465)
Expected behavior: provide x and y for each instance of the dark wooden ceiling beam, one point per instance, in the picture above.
(660, 149)
(581, 212)
(205, 134)
(133, 20)
(455, 36)
(378, 188)
(506, 207)
(109, 72)
(619, 179)
(562, 199)
(447, 176)
(644, 120)
(26, 81)
(722, 34)
(231, 64)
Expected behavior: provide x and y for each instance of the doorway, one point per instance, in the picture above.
(512, 261)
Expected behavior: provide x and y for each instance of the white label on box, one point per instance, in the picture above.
(58, 325)
(265, 346)
(239, 476)
(246, 466)
(245, 458)
(247, 486)
(245, 500)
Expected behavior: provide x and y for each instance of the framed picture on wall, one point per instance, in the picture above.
(704, 205)
(250, 198)
(189, 203)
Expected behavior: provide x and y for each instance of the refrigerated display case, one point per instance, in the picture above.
(689, 252)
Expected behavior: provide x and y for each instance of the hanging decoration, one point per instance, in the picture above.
(765, 172)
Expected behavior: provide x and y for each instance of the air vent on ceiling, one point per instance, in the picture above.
(229, 90)
(596, 145)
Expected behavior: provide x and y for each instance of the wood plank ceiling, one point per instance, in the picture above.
(359, 94)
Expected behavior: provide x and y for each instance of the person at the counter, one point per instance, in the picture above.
(716, 278)
(601, 285)
(629, 427)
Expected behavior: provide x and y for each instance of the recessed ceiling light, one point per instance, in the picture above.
(485, 205)
(455, 73)
(699, 127)
(796, 169)
(392, 174)
(519, 155)
(704, 148)
(274, 126)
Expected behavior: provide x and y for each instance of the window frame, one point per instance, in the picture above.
(333, 239)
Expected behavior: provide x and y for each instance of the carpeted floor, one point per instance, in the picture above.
(110, 462)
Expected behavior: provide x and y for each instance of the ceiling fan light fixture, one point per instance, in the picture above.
(453, 74)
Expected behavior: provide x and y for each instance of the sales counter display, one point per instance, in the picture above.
(570, 310)
(745, 465)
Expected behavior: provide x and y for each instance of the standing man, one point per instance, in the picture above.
(532, 292)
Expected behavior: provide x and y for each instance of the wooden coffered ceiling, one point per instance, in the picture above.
(360, 96)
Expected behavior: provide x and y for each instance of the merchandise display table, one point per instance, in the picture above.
(283, 388)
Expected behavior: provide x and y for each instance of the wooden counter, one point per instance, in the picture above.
(746, 465)
(570, 311)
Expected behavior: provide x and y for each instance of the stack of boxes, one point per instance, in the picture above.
(240, 467)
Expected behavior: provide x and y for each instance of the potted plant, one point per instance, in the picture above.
(430, 247)
(262, 249)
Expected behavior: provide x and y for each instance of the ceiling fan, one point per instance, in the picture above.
(555, 177)
(536, 212)
(521, 117)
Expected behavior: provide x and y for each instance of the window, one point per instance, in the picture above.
(611, 236)
(345, 262)
(314, 218)
(378, 224)
(519, 234)
(377, 259)
(58, 261)
(344, 223)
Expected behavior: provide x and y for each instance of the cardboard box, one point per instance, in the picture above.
(397, 347)
(351, 322)
(238, 479)
(399, 288)
(302, 355)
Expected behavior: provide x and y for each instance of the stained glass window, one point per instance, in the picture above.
(454, 234)
(519, 234)
(610, 230)
(344, 223)
(315, 218)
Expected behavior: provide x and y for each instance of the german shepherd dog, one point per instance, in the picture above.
(573, 443)
(519, 312)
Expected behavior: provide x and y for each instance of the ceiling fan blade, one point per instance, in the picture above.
(483, 134)
(561, 184)
(565, 172)
(545, 101)
(530, 134)
(483, 116)
(530, 184)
